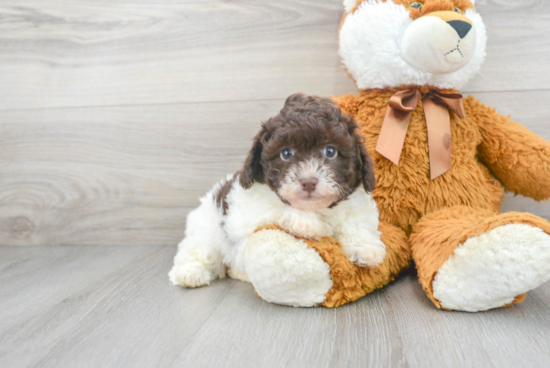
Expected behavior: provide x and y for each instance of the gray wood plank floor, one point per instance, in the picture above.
(112, 306)
(115, 116)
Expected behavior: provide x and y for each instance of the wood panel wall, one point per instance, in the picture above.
(116, 115)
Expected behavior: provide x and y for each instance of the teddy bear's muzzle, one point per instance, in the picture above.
(439, 42)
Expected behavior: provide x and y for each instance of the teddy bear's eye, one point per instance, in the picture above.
(286, 154)
(417, 6)
(457, 10)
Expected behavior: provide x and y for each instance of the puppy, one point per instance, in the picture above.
(304, 173)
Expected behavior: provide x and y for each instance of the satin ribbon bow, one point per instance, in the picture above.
(438, 121)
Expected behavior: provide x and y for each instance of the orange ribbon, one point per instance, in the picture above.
(438, 121)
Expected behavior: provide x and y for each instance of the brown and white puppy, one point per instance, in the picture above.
(307, 172)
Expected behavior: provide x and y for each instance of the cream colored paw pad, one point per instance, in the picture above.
(490, 270)
(284, 270)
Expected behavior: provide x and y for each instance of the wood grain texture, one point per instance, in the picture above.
(115, 116)
(104, 140)
(80, 306)
(130, 174)
(119, 174)
(125, 52)
(89, 53)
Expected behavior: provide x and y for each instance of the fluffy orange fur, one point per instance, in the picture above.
(437, 235)
(427, 219)
(352, 282)
(488, 151)
(429, 6)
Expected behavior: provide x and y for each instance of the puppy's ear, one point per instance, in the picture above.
(367, 170)
(252, 170)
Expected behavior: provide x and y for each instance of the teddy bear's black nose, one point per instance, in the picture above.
(461, 27)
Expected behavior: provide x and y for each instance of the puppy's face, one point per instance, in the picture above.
(310, 155)
(311, 168)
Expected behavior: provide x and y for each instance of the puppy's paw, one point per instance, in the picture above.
(190, 275)
(304, 225)
(365, 256)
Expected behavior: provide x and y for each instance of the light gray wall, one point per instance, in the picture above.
(115, 116)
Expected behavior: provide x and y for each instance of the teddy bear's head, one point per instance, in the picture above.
(391, 43)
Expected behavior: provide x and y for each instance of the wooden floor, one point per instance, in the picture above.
(116, 115)
(112, 306)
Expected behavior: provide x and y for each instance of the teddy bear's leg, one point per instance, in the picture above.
(474, 260)
(297, 272)
(352, 282)
(284, 270)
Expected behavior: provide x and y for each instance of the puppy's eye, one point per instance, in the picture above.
(330, 152)
(287, 154)
(417, 6)
(457, 10)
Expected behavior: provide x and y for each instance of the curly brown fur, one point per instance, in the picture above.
(307, 125)
(220, 195)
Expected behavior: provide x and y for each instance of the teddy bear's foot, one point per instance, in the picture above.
(490, 270)
(474, 260)
(284, 270)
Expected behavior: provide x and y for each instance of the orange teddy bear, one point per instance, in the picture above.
(440, 161)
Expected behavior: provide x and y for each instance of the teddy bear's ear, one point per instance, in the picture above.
(349, 5)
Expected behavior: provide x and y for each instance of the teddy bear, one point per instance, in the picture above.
(442, 162)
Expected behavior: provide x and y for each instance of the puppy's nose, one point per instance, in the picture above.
(309, 184)
(461, 27)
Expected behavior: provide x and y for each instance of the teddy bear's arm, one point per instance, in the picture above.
(517, 157)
